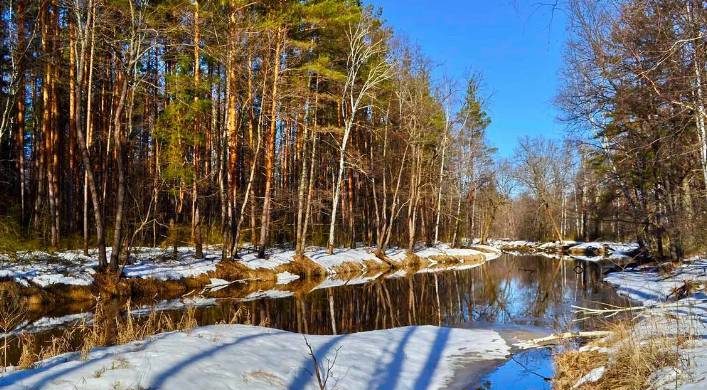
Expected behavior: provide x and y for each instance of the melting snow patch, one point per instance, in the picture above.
(592, 376)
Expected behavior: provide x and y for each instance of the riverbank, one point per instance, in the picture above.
(586, 251)
(664, 347)
(241, 356)
(69, 276)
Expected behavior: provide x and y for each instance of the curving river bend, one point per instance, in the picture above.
(519, 296)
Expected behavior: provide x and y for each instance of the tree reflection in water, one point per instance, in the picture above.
(522, 290)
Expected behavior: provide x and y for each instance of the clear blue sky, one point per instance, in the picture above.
(515, 45)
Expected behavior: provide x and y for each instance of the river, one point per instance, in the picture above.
(520, 296)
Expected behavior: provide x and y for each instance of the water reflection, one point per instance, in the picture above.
(530, 291)
(521, 290)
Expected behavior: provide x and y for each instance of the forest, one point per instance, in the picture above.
(258, 124)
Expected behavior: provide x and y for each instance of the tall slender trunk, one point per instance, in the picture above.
(414, 198)
(457, 216)
(84, 141)
(302, 184)
(698, 66)
(196, 217)
(232, 131)
(439, 187)
(119, 136)
(270, 146)
(20, 104)
(313, 153)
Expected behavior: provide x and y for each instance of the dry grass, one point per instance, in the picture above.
(12, 316)
(303, 266)
(106, 328)
(631, 359)
(27, 356)
(667, 268)
(572, 365)
(413, 262)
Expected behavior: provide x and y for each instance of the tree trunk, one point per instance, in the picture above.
(270, 146)
(119, 137)
(20, 105)
(439, 188)
(196, 217)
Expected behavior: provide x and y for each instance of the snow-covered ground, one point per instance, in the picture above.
(587, 251)
(73, 268)
(670, 316)
(241, 356)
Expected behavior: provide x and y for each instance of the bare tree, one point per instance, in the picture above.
(365, 70)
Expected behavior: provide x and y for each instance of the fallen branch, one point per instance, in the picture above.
(607, 312)
(553, 338)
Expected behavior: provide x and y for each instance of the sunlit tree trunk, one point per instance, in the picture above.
(270, 145)
(196, 217)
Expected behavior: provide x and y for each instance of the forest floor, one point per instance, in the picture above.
(71, 275)
(664, 345)
(242, 356)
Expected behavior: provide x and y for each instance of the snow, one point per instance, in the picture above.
(650, 287)
(47, 323)
(241, 356)
(173, 304)
(73, 268)
(666, 316)
(556, 244)
(341, 256)
(183, 267)
(595, 251)
(591, 377)
(274, 258)
(286, 277)
(359, 255)
(43, 269)
(261, 294)
(336, 282)
(445, 250)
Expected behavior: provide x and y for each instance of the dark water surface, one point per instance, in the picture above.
(520, 296)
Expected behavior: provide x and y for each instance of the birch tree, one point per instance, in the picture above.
(366, 68)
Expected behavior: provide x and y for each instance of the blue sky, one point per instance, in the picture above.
(515, 45)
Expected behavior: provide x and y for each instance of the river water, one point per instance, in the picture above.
(519, 296)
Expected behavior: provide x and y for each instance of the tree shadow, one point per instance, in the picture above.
(425, 378)
(387, 377)
(304, 374)
(159, 381)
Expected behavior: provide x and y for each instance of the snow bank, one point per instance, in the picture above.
(73, 268)
(341, 256)
(240, 356)
(587, 251)
(362, 256)
(44, 269)
(647, 285)
(670, 317)
(185, 266)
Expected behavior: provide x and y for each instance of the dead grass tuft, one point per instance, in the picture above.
(413, 262)
(27, 355)
(630, 361)
(303, 266)
(570, 366)
(106, 328)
